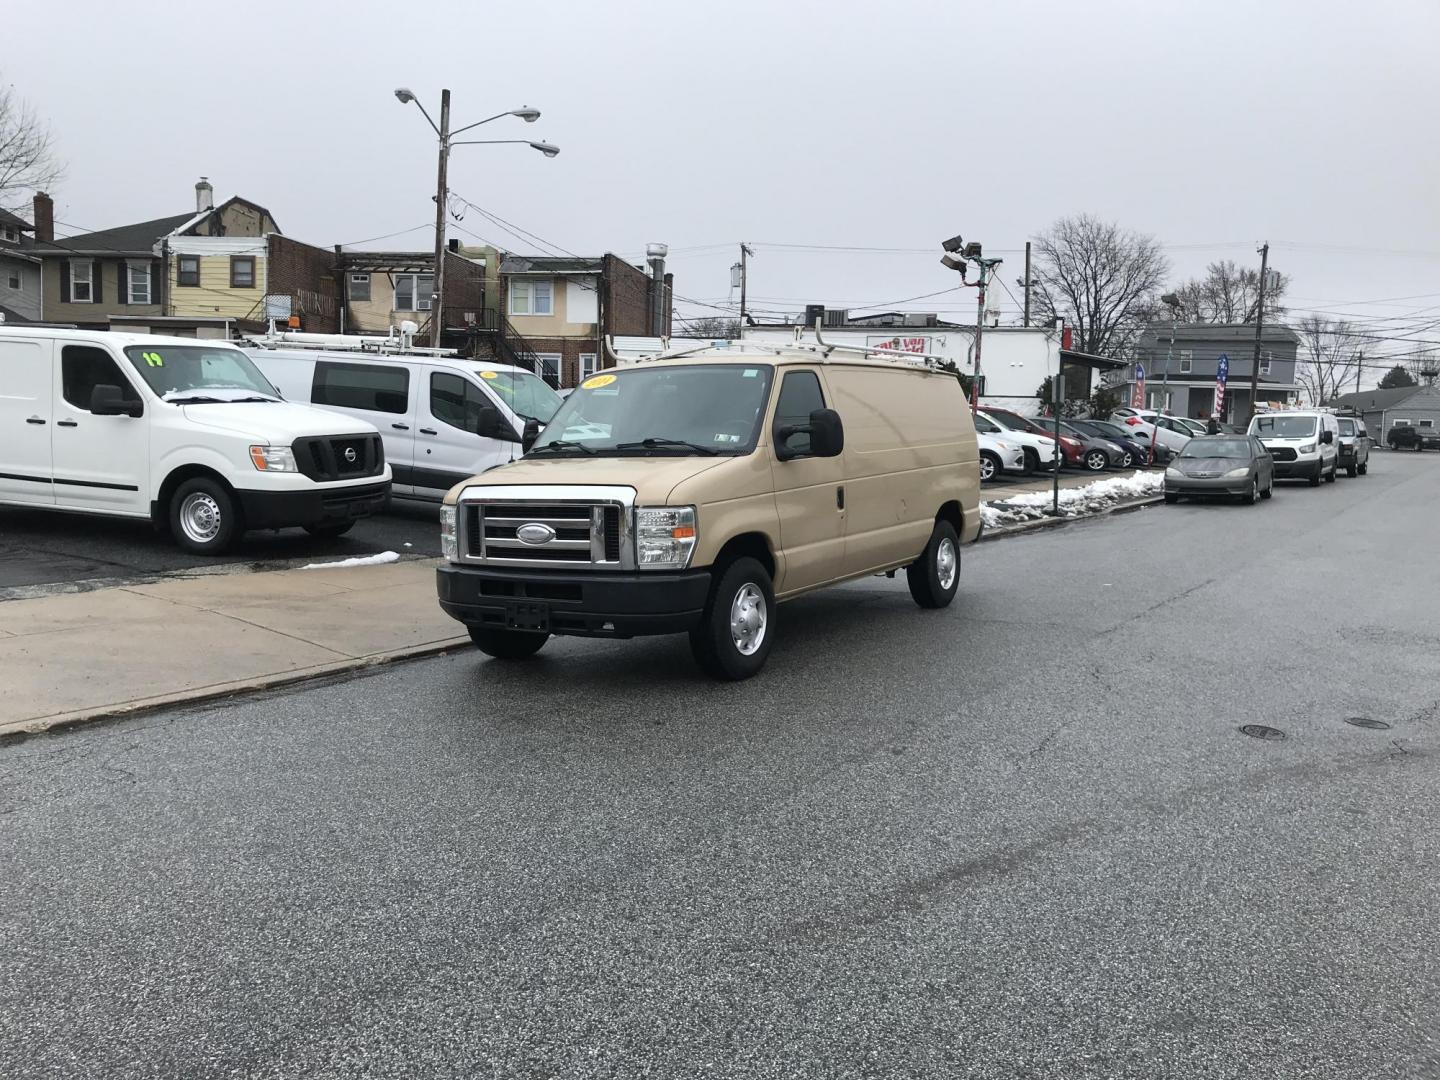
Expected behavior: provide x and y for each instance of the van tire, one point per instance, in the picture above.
(927, 574)
(337, 529)
(1330, 476)
(508, 644)
(204, 518)
(1363, 468)
(989, 466)
(741, 595)
(1319, 472)
(1352, 470)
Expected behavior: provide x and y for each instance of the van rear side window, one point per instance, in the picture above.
(373, 387)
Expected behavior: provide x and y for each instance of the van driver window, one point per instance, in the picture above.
(82, 368)
(456, 402)
(799, 396)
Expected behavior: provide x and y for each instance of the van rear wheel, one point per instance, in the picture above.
(934, 577)
(203, 516)
(737, 628)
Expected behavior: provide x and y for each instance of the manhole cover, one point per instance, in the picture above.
(1366, 722)
(1261, 731)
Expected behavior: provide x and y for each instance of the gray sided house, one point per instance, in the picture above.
(1194, 360)
(1417, 406)
(19, 270)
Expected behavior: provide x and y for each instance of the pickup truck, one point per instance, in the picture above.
(1412, 438)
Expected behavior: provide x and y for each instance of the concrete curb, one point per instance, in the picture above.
(1003, 531)
(217, 691)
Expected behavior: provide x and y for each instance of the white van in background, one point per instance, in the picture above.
(186, 433)
(1303, 444)
(443, 419)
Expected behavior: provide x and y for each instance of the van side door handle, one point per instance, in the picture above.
(428, 431)
(34, 420)
(66, 423)
(840, 497)
(401, 427)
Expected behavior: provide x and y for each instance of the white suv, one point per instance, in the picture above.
(1150, 425)
(998, 455)
(1038, 450)
(1302, 444)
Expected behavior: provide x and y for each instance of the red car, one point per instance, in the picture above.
(1071, 448)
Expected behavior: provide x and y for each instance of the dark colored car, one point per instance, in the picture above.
(1100, 452)
(1354, 446)
(1405, 437)
(1236, 466)
(1138, 448)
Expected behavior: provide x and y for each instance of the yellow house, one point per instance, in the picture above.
(216, 264)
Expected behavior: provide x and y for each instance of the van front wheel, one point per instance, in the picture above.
(508, 644)
(737, 629)
(203, 516)
(934, 577)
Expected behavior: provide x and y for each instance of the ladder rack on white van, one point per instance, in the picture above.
(390, 345)
(819, 345)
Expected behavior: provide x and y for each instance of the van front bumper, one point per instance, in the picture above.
(581, 604)
(1303, 467)
(316, 506)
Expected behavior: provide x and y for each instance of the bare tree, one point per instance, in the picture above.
(28, 161)
(1229, 293)
(1330, 356)
(714, 327)
(1423, 366)
(1102, 279)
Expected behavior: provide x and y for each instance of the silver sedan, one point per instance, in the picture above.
(1235, 466)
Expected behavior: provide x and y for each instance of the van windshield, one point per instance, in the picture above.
(1283, 427)
(528, 396)
(700, 409)
(198, 374)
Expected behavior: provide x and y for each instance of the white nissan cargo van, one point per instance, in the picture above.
(443, 419)
(184, 432)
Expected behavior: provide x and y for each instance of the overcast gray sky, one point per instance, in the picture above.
(1213, 126)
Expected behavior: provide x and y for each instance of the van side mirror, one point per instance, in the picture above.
(531, 433)
(1327, 437)
(827, 436)
(106, 399)
(487, 421)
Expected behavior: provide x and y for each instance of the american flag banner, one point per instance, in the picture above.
(1222, 372)
(1137, 399)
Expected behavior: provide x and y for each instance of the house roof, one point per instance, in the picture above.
(1378, 399)
(15, 221)
(548, 264)
(1220, 332)
(388, 261)
(137, 239)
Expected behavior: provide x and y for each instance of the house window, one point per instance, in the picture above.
(1427, 423)
(1186, 361)
(532, 298)
(187, 271)
(137, 283)
(359, 288)
(9, 234)
(414, 292)
(82, 283)
(12, 278)
(587, 365)
(547, 366)
(242, 271)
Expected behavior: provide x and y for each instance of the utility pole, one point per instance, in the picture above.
(980, 330)
(744, 253)
(1359, 369)
(442, 197)
(1027, 282)
(1259, 324)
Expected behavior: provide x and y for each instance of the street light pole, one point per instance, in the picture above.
(1176, 305)
(979, 334)
(959, 254)
(442, 197)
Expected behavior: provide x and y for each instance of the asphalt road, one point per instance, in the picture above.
(1022, 837)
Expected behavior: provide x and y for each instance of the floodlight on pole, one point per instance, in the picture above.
(954, 244)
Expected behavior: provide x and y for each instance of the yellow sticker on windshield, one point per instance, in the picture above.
(597, 381)
(153, 359)
(489, 374)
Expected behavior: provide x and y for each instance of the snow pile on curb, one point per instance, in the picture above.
(1074, 502)
(363, 560)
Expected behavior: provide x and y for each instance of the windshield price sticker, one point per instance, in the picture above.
(489, 374)
(751, 373)
(597, 381)
(154, 359)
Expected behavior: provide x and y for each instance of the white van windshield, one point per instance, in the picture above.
(527, 395)
(197, 374)
(701, 409)
(1283, 427)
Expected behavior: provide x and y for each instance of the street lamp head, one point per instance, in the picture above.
(527, 114)
(545, 148)
(972, 250)
(955, 243)
(405, 95)
(952, 262)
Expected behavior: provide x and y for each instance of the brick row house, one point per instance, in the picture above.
(383, 289)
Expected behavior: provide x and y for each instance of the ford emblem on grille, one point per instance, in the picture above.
(350, 454)
(535, 534)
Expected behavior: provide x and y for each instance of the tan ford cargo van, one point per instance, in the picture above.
(690, 493)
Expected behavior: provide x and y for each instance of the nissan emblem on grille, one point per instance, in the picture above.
(535, 534)
(350, 454)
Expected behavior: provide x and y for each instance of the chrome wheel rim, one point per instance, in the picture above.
(748, 619)
(1096, 460)
(1127, 460)
(200, 518)
(987, 469)
(947, 563)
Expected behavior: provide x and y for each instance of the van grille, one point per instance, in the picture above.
(1282, 453)
(583, 535)
(339, 457)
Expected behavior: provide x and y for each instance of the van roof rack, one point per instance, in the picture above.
(819, 346)
(393, 344)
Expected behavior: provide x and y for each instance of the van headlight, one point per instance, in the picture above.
(1308, 448)
(273, 458)
(449, 542)
(664, 537)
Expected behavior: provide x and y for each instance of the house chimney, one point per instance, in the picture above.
(44, 214)
(204, 196)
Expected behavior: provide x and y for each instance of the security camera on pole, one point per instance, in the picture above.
(957, 255)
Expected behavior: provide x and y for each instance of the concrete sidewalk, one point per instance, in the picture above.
(105, 653)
